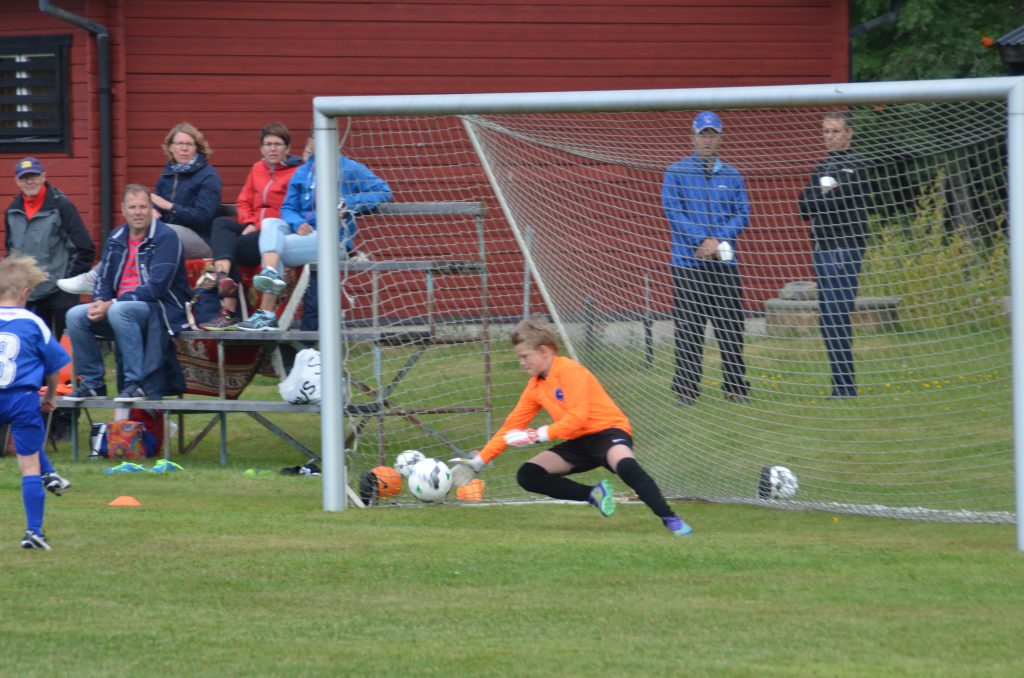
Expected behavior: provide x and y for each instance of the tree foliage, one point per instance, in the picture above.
(931, 38)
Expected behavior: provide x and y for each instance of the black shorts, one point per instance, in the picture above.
(590, 451)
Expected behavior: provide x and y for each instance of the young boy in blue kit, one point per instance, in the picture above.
(29, 353)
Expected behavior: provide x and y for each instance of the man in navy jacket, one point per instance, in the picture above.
(141, 290)
(705, 202)
(835, 202)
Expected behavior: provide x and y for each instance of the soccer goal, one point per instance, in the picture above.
(573, 225)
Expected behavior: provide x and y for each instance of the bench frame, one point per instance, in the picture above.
(380, 336)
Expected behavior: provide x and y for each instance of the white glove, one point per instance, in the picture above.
(343, 209)
(518, 437)
(464, 470)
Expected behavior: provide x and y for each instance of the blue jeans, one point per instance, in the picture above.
(126, 324)
(294, 249)
(838, 271)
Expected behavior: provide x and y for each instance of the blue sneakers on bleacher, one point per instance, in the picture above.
(165, 466)
(269, 280)
(601, 496)
(260, 321)
(126, 467)
(677, 526)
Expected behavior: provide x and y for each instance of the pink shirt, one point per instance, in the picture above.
(130, 276)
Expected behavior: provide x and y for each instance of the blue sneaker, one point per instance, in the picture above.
(269, 280)
(677, 526)
(165, 466)
(601, 496)
(126, 467)
(260, 321)
(31, 540)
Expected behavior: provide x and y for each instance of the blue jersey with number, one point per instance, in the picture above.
(28, 350)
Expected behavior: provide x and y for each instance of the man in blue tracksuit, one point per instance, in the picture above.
(705, 202)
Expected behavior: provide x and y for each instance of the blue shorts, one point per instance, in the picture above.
(20, 409)
(590, 451)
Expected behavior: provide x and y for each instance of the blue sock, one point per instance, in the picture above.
(34, 497)
(44, 463)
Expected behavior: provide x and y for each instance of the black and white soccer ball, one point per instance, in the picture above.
(777, 482)
(406, 460)
(430, 480)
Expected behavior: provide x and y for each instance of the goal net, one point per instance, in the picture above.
(573, 225)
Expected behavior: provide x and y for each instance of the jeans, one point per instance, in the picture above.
(837, 272)
(702, 295)
(126, 324)
(294, 249)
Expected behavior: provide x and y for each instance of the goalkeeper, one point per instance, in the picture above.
(593, 429)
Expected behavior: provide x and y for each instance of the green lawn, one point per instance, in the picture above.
(220, 574)
(932, 428)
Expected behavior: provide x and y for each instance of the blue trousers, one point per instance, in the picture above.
(125, 323)
(838, 273)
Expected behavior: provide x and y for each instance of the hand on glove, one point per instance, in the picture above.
(518, 437)
(464, 470)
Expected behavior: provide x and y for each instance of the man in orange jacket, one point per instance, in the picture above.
(594, 431)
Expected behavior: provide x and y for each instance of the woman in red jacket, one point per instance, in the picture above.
(235, 242)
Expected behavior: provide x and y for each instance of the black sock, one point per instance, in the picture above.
(632, 474)
(533, 478)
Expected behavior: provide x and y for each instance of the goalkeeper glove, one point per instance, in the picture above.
(518, 437)
(464, 470)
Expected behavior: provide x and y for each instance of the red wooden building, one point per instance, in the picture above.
(229, 66)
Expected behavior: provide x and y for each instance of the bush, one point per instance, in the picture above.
(944, 278)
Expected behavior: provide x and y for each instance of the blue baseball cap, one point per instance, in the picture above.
(28, 166)
(706, 120)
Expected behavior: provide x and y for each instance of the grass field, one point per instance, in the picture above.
(220, 574)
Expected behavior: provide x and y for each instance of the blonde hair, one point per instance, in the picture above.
(534, 332)
(17, 272)
(202, 145)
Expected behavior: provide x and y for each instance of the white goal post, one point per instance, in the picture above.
(482, 114)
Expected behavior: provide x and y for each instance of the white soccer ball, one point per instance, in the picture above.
(782, 483)
(406, 460)
(430, 480)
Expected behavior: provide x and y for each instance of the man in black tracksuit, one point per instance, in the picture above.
(835, 202)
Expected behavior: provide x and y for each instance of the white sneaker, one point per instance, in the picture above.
(83, 283)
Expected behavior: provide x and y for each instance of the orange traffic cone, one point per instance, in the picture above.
(125, 501)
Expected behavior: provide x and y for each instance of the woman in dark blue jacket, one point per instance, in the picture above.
(187, 194)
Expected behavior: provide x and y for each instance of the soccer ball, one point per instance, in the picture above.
(389, 482)
(406, 460)
(777, 482)
(430, 480)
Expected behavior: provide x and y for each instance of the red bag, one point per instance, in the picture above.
(124, 439)
(153, 420)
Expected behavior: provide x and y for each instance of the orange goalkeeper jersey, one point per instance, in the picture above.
(572, 396)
